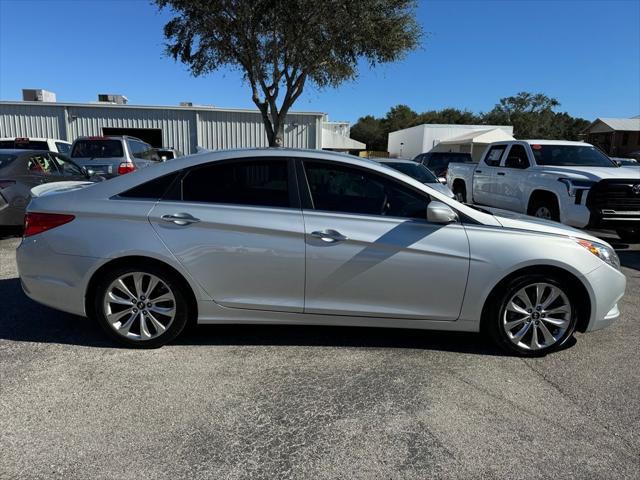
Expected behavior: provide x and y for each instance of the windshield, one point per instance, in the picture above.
(414, 170)
(97, 149)
(6, 159)
(571, 156)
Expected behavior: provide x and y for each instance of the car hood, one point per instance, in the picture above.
(442, 188)
(592, 173)
(519, 221)
(58, 187)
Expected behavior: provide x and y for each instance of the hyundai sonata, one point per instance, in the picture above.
(307, 237)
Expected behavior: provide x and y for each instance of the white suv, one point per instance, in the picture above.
(37, 143)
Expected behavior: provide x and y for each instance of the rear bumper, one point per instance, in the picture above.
(56, 280)
(606, 287)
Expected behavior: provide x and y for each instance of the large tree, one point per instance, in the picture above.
(281, 45)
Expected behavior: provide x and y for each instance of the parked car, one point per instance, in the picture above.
(21, 170)
(38, 143)
(113, 155)
(625, 162)
(417, 171)
(308, 237)
(569, 182)
(165, 154)
(438, 162)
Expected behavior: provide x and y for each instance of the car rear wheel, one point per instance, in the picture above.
(141, 307)
(534, 315)
(629, 234)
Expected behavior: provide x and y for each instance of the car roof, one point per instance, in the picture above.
(395, 160)
(37, 139)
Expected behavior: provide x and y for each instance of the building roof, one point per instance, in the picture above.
(479, 136)
(145, 107)
(618, 124)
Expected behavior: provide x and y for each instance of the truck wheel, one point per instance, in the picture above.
(629, 234)
(547, 208)
(460, 192)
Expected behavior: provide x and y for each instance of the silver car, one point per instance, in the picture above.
(308, 237)
(113, 155)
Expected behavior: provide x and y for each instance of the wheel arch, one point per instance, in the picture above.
(583, 297)
(460, 182)
(539, 193)
(138, 260)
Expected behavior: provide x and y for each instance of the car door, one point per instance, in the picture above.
(484, 176)
(370, 250)
(510, 179)
(236, 226)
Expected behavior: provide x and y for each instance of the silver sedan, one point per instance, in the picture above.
(307, 237)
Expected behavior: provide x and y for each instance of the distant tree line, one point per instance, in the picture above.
(532, 116)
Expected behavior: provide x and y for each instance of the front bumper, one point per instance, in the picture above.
(53, 279)
(606, 287)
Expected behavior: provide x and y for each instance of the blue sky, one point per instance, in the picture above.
(585, 53)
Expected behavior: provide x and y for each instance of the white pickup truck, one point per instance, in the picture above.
(569, 182)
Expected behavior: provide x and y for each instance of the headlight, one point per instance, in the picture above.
(605, 253)
(573, 185)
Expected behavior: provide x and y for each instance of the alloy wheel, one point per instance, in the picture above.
(543, 212)
(139, 306)
(537, 316)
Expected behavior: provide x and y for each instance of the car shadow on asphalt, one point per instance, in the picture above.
(10, 232)
(24, 320)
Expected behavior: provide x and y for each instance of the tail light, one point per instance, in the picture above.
(40, 222)
(126, 167)
(6, 183)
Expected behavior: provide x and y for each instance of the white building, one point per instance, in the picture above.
(471, 139)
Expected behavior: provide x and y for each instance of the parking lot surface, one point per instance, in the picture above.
(312, 402)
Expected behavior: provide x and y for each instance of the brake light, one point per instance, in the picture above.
(6, 183)
(126, 167)
(35, 223)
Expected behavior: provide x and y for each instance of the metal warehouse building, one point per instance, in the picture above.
(183, 127)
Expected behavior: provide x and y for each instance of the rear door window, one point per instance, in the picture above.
(42, 165)
(97, 148)
(493, 156)
(260, 182)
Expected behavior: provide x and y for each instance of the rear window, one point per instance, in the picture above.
(97, 148)
(6, 159)
(443, 159)
(63, 147)
(24, 145)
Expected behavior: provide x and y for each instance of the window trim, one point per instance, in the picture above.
(304, 186)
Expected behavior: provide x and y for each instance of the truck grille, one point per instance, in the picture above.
(618, 195)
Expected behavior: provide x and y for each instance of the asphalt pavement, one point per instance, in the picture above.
(277, 402)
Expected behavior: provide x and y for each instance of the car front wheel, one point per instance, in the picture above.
(534, 315)
(140, 307)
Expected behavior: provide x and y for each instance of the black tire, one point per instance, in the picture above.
(629, 234)
(460, 192)
(173, 284)
(493, 323)
(545, 204)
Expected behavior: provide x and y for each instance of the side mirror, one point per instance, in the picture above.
(438, 212)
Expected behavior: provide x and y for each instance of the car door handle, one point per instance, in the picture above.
(329, 236)
(478, 171)
(180, 219)
(501, 173)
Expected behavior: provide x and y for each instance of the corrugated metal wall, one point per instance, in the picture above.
(184, 129)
